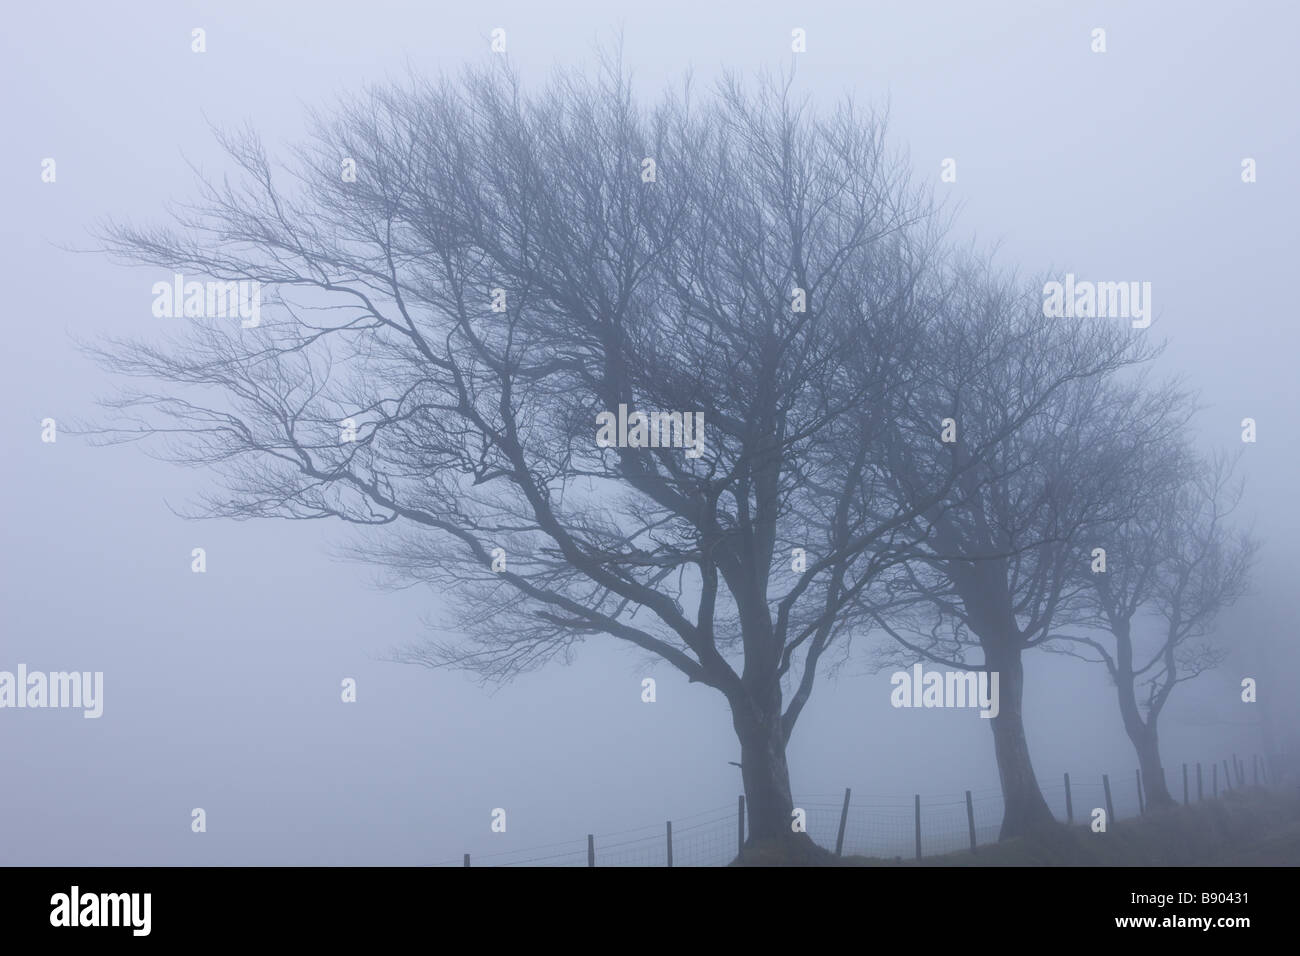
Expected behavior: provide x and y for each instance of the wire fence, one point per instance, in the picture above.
(887, 826)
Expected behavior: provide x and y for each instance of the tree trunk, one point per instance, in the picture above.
(769, 804)
(1024, 808)
(766, 777)
(1153, 774)
(1145, 741)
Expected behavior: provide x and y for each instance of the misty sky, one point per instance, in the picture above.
(222, 689)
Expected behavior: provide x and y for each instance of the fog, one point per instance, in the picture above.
(222, 689)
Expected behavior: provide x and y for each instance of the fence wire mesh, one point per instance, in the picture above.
(883, 826)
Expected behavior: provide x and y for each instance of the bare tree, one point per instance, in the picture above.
(993, 564)
(507, 267)
(1175, 558)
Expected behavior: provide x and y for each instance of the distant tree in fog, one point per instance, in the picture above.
(1171, 566)
(993, 567)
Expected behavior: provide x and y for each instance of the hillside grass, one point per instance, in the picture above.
(1248, 827)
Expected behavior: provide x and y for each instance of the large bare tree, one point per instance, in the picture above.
(505, 268)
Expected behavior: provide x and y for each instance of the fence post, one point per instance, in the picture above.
(591, 849)
(1141, 804)
(1254, 764)
(1110, 807)
(1069, 801)
(1200, 791)
(1241, 770)
(467, 859)
(1215, 778)
(918, 826)
(844, 819)
(970, 820)
(740, 826)
(1184, 784)
(670, 842)
(1227, 776)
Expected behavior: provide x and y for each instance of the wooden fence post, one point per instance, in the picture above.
(970, 820)
(918, 826)
(844, 819)
(740, 826)
(1237, 765)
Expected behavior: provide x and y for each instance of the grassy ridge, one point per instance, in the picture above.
(1250, 827)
